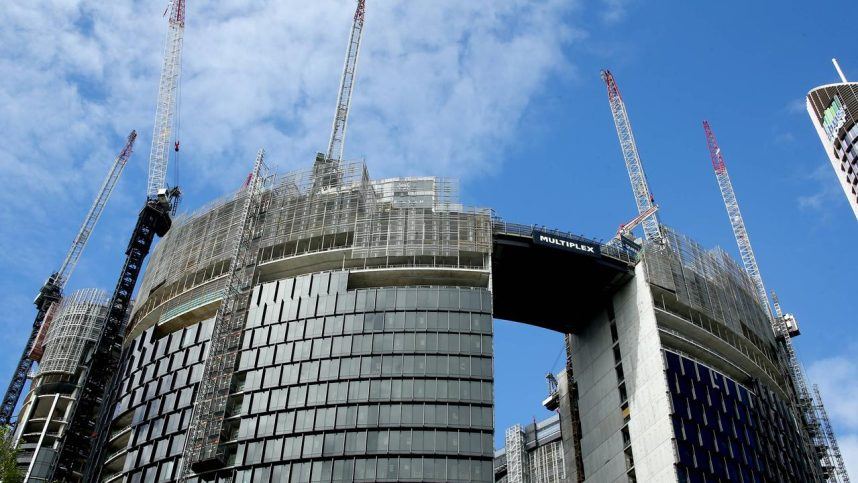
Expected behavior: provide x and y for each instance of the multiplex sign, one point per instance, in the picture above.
(554, 241)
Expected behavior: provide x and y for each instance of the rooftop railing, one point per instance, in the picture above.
(617, 252)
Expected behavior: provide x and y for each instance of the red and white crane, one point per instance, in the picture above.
(640, 188)
(344, 99)
(51, 292)
(736, 220)
(626, 228)
(783, 325)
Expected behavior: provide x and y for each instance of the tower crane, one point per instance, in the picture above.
(778, 320)
(736, 220)
(51, 291)
(640, 188)
(89, 418)
(344, 99)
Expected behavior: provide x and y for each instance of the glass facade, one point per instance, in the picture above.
(727, 432)
(833, 109)
(331, 385)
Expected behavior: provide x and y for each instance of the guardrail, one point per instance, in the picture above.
(617, 252)
(190, 305)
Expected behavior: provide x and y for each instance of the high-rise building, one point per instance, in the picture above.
(532, 454)
(366, 353)
(367, 349)
(680, 378)
(42, 419)
(833, 108)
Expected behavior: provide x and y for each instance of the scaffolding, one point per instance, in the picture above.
(75, 326)
(516, 456)
(832, 460)
(711, 282)
(203, 450)
(332, 206)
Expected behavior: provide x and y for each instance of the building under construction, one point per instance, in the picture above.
(74, 327)
(323, 326)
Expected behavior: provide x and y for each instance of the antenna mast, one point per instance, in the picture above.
(839, 71)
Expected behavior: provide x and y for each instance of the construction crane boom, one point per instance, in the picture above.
(78, 450)
(627, 227)
(640, 188)
(51, 291)
(736, 220)
(344, 99)
(165, 109)
(795, 372)
(95, 211)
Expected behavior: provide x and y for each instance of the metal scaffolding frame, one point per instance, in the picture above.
(75, 326)
(833, 459)
(203, 449)
(516, 456)
(712, 282)
(332, 206)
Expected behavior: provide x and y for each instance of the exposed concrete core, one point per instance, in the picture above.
(649, 409)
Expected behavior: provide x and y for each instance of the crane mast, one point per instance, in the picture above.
(165, 110)
(78, 450)
(344, 99)
(640, 188)
(52, 290)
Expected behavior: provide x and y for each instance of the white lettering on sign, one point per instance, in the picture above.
(567, 244)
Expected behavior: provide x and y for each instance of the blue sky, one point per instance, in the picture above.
(505, 96)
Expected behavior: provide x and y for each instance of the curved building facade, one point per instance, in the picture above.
(71, 330)
(366, 350)
(681, 378)
(833, 109)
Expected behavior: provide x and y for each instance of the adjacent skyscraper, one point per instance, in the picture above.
(833, 108)
(533, 453)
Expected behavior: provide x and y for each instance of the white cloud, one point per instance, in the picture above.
(797, 106)
(835, 377)
(442, 83)
(615, 10)
(441, 88)
(826, 191)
